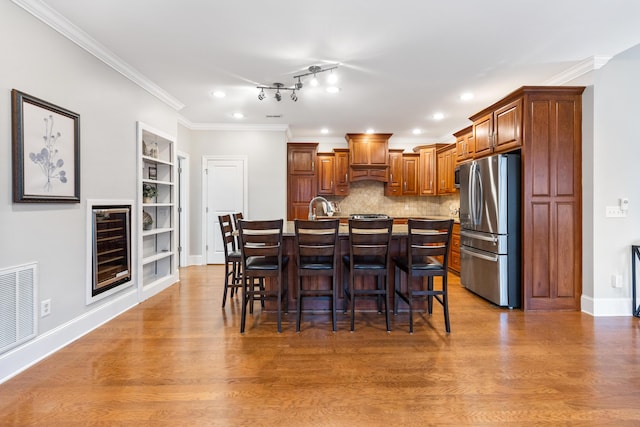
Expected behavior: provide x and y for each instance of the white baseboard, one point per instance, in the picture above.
(196, 260)
(31, 352)
(606, 307)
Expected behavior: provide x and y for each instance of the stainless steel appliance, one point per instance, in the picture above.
(490, 228)
(369, 216)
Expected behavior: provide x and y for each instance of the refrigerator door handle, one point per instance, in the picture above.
(479, 236)
(491, 258)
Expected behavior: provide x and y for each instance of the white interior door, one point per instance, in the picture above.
(225, 194)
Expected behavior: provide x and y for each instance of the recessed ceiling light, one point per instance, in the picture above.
(438, 116)
(333, 89)
(417, 131)
(324, 131)
(370, 131)
(218, 94)
(238, 115)
(466, 96)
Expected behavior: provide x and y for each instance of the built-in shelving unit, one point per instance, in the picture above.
(157, 242)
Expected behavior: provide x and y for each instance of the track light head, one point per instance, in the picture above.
(298, 85)
(294, 97)
(278, 96)
(261, 95)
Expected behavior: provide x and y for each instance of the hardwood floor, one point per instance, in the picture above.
(179, 359)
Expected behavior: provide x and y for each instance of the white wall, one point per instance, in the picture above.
(41, 62)
(615, 174)
(267, 170)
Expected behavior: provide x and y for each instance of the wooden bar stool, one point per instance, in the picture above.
(369, 255)
(427, 255)
(261, 249)
(232, 258)
(316, 255)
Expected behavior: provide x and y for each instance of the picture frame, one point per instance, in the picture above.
(153, 172)
(45, 151)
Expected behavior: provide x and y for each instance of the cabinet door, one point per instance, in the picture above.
(482, 134)
(394, 186)
(301, 190)
(341, 169)
(359, 151)
(410, 167)
(326, 174)
(508, 126)
(441, 173)
(378, 151)
(427, 172)
(301, 159)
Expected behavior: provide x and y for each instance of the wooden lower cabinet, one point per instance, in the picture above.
(454, 249)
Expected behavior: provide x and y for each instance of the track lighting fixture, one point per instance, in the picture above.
(278, 87)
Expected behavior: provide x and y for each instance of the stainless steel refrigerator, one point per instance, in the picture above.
(490, 228)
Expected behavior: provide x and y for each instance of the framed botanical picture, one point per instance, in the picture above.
(46, 151)
(153, 172)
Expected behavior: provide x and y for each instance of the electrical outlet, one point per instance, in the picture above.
(45, 307)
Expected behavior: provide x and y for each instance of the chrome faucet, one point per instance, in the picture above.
(325, 205)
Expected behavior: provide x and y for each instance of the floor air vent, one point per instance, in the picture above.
(18, 322)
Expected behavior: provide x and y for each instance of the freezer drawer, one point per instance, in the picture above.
(495, 243)
(486, 274)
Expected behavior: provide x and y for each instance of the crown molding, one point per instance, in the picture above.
(580, 69)
(62, 25)
(233, 126)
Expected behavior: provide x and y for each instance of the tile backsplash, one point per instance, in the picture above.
(368, 197)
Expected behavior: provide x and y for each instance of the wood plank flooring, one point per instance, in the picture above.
(178, 359)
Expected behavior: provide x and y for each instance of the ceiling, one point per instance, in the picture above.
(399, 62)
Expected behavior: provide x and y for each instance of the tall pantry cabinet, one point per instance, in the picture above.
(545, 122)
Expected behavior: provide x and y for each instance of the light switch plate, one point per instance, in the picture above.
(615, 212)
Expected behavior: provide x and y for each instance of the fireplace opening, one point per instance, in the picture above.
(111, 238)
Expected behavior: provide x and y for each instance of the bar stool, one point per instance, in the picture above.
(232, 258)
(369, 255)
(427, 255)
(261, 249)
(316, 255)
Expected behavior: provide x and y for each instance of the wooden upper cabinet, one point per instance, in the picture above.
(465, 144)
(393, 187)
(341, 171)
(482, 135)
(326, 174)
(427, 170)
(301, 158)
(368, 156)
(410, 174)
(498, 129)
(445, 169)
(507, 126)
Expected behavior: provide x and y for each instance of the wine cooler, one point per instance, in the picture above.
(111, 247)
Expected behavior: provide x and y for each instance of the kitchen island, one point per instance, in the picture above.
(398, 247)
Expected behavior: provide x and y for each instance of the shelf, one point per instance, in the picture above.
(158, 205)
(155, 231)
(156, 257)
(154, 181)
(157, 161)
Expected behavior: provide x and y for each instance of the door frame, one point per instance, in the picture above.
(205, 189)
(183, 207)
